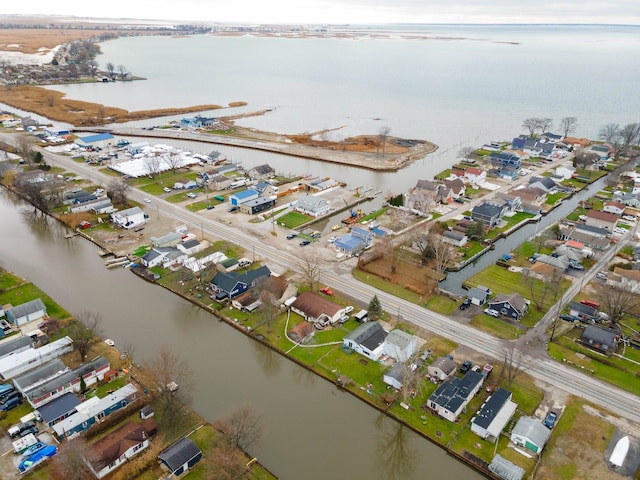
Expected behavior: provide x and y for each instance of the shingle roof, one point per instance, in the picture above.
(25, 309)
(179, 453)
(370, 335)
(40, 373)
(399, 338)
(111, 447)
(14, 343)
(532, 429)
(314, 305)
(453, 393)
(59, 407)
(515, 300)
(599, 335)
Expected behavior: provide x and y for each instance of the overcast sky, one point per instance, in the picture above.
(343, 11)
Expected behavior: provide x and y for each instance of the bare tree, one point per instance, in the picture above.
(101, 113)
(514, 361)
(110, 69)
(545, 124)
(174, 161)
(242, 426)
(41, 192)
(85, 332)
(396, 455)
(532, 124)
(610, 133)
(122, 70)
(24, 147)
(618, 302)
(466, 152)
(226, 462)
(568, 125)
(539, 290)
(69, 462)
(153, 164)
(118, 189)
(173, 378)
(269, 306)
(413, 383)
(309, 266)
(629, 135)
(383, 134)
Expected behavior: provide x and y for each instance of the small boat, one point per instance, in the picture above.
(110, 342)
(336, 227)
(36, 447)
(70, 235)
(620, 451)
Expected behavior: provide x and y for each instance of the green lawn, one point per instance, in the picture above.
(495, 326)
(25, 292)
(293, 219)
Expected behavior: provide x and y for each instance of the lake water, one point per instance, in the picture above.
(455, 86)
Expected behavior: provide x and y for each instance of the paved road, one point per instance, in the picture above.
(572, 381)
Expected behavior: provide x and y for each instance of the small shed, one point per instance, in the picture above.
(180, 456)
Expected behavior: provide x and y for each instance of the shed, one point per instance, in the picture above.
(530, 434)
(180, 456)
(441, 368)
(505, 469)
(393, 376)
(26, 312)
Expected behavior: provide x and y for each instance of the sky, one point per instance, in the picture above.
(625, 12)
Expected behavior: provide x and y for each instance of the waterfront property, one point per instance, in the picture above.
(180, 456)
(367, 339)
(24, 361)
(230, 285)
(505, 469)
(129, 218)
(317, 309)
(26, 312)
(489, 213)
(15, 344)
(312, 205)
(111, 451)
(453, 396)
(531, 434)
(400, 345)
(494, 415)
(393, 376)
(261, 172)
(58, 409)
(97, 141)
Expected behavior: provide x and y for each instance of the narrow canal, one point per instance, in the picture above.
(313, 430)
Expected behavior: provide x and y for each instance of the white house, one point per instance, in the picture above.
(453, 396)
(617, 208)
(400, 345)
(368, 339)
(442, 368)
(311, 205)
(393, 376)
(475, 176)
(26, 312)
(129, 218)
(565, 171)
(494, 415)
(111, 451)
(19, 363)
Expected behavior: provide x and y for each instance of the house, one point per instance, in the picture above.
(15, 344)
(505, 469)
(190, 246)
(317, 309)
(603, 340)
(455, 238)
(129, 218)
(112, 450)
(591, 237)
(531, 434)
(355, 242)
(600, 219)
(18, 363)
(564, 171)
(456, 186)
(624, 279)
(393, 376)
(261, 172)
(494, 415)
(560, 263)
(584, 312)
(367, 339)
(489, 213)
(171, 239)
(617, 208)
(479, 295)
(442, 368)
(220, 182)
(180, 456)
(49, 390)
(242, 196)
(321, 184)
(93, 411)
(511, 305)
(400, 345)
(266, 189)
(39, 375)
(277, 288)
(302, 332)
(452, 397)
(100, 140)
(26, 312)
(312, 205)
(475, 176)
(257, 205)
(230, 285)
(544, 183)
(58, 409)
(507, 165)
(198, 122)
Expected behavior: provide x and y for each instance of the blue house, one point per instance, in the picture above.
(507, 164)
(180, 456)
(198, 122)
(230, 285)
(94, 410)
(243, 196)
(354, 242)
(59, 409)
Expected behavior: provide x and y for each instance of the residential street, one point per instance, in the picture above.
(575, 382)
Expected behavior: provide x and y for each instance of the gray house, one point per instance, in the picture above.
(26, 312)
(489, 213)
(531, 434)
(180, 456)
(368, 340)
(452, 397)
(603, 340)
(512, 305)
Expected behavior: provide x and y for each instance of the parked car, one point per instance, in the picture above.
(28, 431)
(602, 275)
(326, 291)
(332, 239)
(291, 236)
(491, 312)
(10, 404)
(550, 420)
(21, 427)
(191, 195)
(466, 304)
(486, 370)
(348, 309)
(304, 243)
(233, 209)
(568, 318)
(210, 207)
(166, 189)
(466, 366)
(344, 319)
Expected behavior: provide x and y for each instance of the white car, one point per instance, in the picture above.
(191, 195)
(491, 312)
(146, 200)
(348, 309)
(166, 189)
(619, 231)
(332, 239)
(601, 275)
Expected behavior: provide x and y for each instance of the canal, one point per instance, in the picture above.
(453, 282)
(313, 430)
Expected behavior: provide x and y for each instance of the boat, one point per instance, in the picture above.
(120, 263)
(70, 235)
(36, 447)
(110, 342)
(115, 260)
(620, 452)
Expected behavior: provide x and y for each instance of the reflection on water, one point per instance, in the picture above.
(395, 454)
(269, 359)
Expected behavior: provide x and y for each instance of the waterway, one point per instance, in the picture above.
(313, 430)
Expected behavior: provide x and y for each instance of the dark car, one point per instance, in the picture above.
(466, 366)
(568, 318)
(233, 209)
(210, 207)
(10, 404)
(466, 304)
(291, 236)
(29, 430)
(550, 420)
(304, 243)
